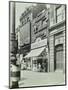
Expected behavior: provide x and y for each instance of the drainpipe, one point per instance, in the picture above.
(14, 72)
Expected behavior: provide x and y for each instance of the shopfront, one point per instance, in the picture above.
(37, 58)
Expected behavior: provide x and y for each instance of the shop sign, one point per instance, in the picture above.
(39, 43)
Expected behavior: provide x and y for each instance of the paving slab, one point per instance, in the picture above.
(31, 78)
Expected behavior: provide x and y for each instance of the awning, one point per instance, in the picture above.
(35, 52)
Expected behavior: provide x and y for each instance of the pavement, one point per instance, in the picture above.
(31, 78)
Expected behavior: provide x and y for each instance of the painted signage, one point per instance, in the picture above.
(24, 34)
(39, 43)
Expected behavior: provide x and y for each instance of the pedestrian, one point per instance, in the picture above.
(39, 67)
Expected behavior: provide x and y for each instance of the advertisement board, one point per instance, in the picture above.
(24, 34)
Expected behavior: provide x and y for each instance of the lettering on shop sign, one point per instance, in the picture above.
(39, 43)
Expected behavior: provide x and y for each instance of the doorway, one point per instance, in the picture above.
(59, 57)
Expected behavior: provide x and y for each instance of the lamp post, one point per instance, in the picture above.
(14, 68)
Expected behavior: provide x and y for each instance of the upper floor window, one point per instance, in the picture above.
(60, 13)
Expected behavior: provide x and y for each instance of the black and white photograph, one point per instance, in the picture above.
(37, 44)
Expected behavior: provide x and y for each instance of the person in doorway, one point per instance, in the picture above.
(45, 65)
(39, 67)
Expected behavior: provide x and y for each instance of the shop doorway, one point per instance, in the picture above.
(43, 64)
(59, 57)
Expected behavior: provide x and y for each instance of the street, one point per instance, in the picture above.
(30, 78)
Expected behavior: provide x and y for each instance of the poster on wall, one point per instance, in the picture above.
(25, 34)
(39, 29)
